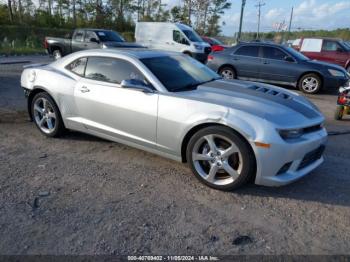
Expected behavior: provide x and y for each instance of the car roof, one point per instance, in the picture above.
(94, 29)
(138, 53)
(259, 44)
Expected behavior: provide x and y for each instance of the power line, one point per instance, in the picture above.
(259, 5)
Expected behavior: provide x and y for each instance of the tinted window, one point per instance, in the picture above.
(248, 51)
(273, 53)
(111, 70)
(330, 46)
(109, 36)
(179, 72)
(89, 35)
(79, 36)
(78, 66)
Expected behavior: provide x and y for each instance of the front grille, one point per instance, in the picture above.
(207, 50)
(269, 91)
(311, 129)
(311, 157)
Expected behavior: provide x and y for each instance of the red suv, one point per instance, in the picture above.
(330, 50)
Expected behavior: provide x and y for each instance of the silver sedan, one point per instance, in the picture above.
(228, 131)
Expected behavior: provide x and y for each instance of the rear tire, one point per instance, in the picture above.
(46, 115)
(227, 73)
(339, 112)
(220, 158)
(57, 54)
(310, 83)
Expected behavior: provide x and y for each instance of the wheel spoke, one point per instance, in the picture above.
(212, 173)
(51, 115)
(42, 121)
(203, 157)
(211, 142)
(49, 123)
(229, 151)
(45, 104)
(233, 173)
(38, 109)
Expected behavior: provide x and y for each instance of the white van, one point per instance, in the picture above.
(172, 37)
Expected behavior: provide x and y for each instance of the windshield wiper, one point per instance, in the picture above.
(189, 87)
(211, 80)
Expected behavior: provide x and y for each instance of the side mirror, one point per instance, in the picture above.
(339, 49)
(288, 59)
(137, 85)
(94, 40)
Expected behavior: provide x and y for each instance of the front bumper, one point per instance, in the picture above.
(334, 82)
(296, 155)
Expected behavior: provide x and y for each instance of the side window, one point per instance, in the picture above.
(330, 45)
(77, 66)
(248, 51)
(273, 53)
(89, 35)
(179, 38)
(79, 36)
(111, 70)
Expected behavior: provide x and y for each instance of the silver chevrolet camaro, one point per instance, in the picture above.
(228, 131)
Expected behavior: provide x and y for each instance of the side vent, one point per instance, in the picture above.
(269, 91)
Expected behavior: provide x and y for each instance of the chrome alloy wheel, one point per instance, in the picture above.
(44, 115)
(310, 84)
(227, 74)
(217, 159)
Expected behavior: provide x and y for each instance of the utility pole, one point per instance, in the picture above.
(241, 20)
(290, 23)
(259, 5)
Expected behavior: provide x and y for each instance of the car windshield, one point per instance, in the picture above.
(216, 41)
(296, 54)
(192, 36)
(109, 36)
(179, 73)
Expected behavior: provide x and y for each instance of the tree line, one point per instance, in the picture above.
(120, 15)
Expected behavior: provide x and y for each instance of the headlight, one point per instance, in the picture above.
(291, 133)
(198, 47)
(336, 73)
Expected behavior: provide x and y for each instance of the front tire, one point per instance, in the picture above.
(46, 115)
(227, 73)
(57, 54)
(220, 158)
(310, 83)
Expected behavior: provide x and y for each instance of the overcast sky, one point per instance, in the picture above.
(308, 14)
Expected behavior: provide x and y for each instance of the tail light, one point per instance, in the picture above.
(342, 100)
(210, 57)
(45, 43)
(217, 48)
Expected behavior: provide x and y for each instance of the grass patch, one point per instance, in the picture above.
(21, 51)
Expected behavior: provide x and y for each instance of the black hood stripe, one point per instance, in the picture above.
(288, 102)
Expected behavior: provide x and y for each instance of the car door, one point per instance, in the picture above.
(88, 44)
(276, 67)
(179, 41)
(78, 41)
(246, 61)
(104, 107)
(333, 53)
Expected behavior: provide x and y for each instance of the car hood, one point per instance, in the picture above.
(274, 104)
(324, 64)
(122, 44)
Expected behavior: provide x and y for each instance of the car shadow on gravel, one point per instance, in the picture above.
(314, 187)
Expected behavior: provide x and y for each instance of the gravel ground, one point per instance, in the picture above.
(83, 195)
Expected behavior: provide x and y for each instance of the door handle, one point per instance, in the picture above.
(84, 89)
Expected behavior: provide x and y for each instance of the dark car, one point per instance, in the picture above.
(216, 45)
(83, 39)
(276, 64)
